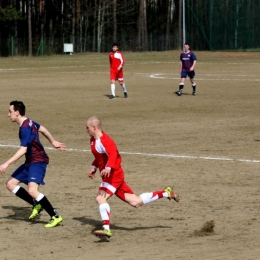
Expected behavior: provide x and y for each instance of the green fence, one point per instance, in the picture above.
(210, 25)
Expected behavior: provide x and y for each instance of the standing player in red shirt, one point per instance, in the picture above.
(116, 59)
(108, 162)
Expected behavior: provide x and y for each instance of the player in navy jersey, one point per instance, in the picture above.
(188, 62)
(33, 170)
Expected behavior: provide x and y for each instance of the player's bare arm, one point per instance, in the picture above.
(47, 134)
(58, 145)
(91, 173)
(14, 158)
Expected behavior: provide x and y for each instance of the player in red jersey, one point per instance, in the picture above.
(187, 61)
(32, 172)
(117, 61)
(108, 162)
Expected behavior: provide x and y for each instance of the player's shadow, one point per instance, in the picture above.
(183, 94)
(20, 213)
(109, 95)
(97, 225)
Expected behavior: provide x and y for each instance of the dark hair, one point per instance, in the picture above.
(18, 106)
(186, 43)
(114, 44)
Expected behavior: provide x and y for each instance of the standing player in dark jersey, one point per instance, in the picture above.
(188, 62)
(33, 170)
(108, 162)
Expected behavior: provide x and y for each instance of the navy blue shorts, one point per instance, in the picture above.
(191, 74)
(34, 172)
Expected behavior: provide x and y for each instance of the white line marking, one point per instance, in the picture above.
(153, 154)
(160, 76)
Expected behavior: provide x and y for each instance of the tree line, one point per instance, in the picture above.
(30, 27)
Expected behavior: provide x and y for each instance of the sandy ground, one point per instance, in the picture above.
(206, 147)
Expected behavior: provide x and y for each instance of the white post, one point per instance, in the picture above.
(183, 22)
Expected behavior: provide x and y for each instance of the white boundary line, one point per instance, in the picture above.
(153, 154)
(160, 76)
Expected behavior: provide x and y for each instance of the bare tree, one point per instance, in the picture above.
(29, 17)
(180, 25)
(94, 27)
(100, 20)
(142, 26)
(114, 21)
(167, 44)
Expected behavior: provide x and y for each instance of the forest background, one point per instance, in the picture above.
(42, 27)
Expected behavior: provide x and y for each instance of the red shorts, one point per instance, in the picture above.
(117, 75)
(115, 184)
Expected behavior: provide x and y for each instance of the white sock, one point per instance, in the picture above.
(104, 210)
(40, 196)
(113, 89)
(124, 87)
(149, 197)
(16, 189)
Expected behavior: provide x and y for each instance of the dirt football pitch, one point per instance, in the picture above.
(205, 146)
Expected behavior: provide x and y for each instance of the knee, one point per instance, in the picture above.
(136, 204)
(100, 199)
(133, 200)
(32, 193)
(9, 186)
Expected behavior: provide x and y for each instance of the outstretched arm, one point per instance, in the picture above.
(47, 134)
(14, 158)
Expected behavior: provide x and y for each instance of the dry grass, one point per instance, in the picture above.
(205, 146)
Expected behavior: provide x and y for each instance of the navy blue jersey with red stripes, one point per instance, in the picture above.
(187, 59)
(29, 137)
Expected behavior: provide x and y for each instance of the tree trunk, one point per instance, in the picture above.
(29, 13)
(99, 27)
(180, 25)
(94, 27)
(86, 24)
(167, 43)
(73, 24)
(145, 25)
(104, 8)
(142, 26)
(114, 21)
(101, 15)
(78, 32)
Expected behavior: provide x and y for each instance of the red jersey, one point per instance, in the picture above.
(116, 60)
(105, 152)
(107, 155)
